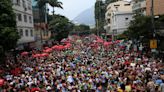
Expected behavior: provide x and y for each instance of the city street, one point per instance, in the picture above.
(81, 45)
(85, 64)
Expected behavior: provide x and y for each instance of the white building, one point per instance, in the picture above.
(118, 16)
(139, 6)
(24, 19)
(120, 22)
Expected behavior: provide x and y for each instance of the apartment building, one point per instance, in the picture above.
(43, 34)
(24, 19)
(117, 17)
(144, 7)
(139, 6)
(158, 7)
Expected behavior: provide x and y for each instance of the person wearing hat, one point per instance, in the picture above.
(161, 87)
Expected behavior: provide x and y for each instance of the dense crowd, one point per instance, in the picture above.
(87, 68)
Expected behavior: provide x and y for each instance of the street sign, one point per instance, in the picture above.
(153, 44)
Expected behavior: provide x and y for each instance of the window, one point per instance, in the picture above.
(26, 32)
(116, 8)
(24, 5)
(21, 32)
(19, 17)
(117, 5)
(29, 6)
(109, 14)
(126, 4)
(25, 18)
(31, 31)
(108, 20)
(18, 2)
(126, 18)
(30, 19)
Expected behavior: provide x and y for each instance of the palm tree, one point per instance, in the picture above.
(41, 3)
(55, 3)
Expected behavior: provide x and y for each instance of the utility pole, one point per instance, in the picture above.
(152, 18)
(97, 22)
(99, 17)
(153, 42)
(46, 13)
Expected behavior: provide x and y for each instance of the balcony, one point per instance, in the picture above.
(139, 5)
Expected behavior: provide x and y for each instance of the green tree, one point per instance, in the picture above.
(8, 32)
(140, 26)
(100, 9)
(55, 3)
(60, 26)
(81, 27)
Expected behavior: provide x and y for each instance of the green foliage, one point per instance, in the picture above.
(53, 3)
(161, 18)
(81, 27)
(41, 3)
(8, 38)
(100, 10)
(8, 33)
(140, 26)
(121, 36)
(60, 26)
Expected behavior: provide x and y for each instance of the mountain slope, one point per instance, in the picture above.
(86, 17)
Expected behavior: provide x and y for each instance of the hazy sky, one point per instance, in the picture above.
(74, 7)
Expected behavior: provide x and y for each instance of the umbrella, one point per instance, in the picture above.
(1, 82)
(24, 53)
(47, 50)
(55, 47)
(99, 40)
(46, 47)
(60, 47)
(68, 45)
(107, 43)
(36, 55)
(44, 55)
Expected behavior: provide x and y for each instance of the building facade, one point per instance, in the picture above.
(158, 7)
(42, 33)
(24, 19)
(117, 17)
(139, 6)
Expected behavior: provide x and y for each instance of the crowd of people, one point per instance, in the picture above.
(87, 66)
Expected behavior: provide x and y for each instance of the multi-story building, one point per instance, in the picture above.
(144, 7)
(158, 7)
(139, 6)
(118, 16)
(24, 19)
(43, 34)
